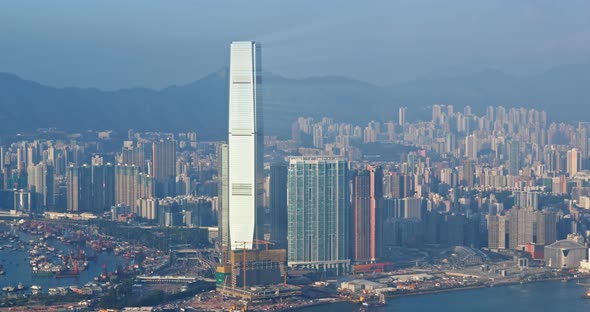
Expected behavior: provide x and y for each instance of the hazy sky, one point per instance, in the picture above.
(114, 44)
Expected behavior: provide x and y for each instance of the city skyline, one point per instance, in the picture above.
(412, 148)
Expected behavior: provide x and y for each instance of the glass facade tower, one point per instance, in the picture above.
(245, 140)
(318, 211)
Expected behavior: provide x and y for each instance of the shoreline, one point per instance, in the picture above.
(439, 291)
(510, 283)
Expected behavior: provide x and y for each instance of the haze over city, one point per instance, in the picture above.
(294, 156)
(113, 45)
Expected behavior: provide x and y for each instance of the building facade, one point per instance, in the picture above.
(245, 140)
(367, 201)
(318, 213)
(278, 205)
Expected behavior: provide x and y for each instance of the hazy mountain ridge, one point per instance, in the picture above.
(202, 105)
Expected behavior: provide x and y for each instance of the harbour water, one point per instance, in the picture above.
(541, 296)
(17, 268)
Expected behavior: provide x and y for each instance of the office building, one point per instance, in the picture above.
(245, 140)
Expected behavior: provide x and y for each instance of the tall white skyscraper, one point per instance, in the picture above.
(246, 176)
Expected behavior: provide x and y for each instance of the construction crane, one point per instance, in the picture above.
(255, 242)
(263, 242)
(243, 258)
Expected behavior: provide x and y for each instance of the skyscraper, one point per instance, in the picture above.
(85, 190)
(103, 187)
(471, 147)
(40, 183)
(402, 116)
(514, 158)
(131, 184)
(72, 188)
(246, 176)
(278, 205)
(164, 164)
(223, 193)
(367, 220)
(318, 213)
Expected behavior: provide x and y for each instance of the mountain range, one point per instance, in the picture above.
(563, 91)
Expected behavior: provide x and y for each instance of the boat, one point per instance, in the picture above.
(8, 289)
(36, 287)
(20, 286)
(373, 301)
(38, 273)
(587, 295)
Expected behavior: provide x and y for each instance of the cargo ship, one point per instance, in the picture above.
(68, 273)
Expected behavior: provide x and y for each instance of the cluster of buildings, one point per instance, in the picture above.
(507, 179)
(154, 177)
(335, 194)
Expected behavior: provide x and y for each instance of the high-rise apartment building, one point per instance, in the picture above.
(525, 199)
(398, 185)
(498, 230)
(546, 227)
(246, 176)
(103, 187)
(40, 183)
(131, 184)
(164, 166)
(72, 188)
(85, 191)
(367, 200)
(402, 116)
(133, 154)
(574, 161)
(318, 213)
(514, 158)
(278, 205)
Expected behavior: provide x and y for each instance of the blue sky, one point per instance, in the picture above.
(117, 44)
